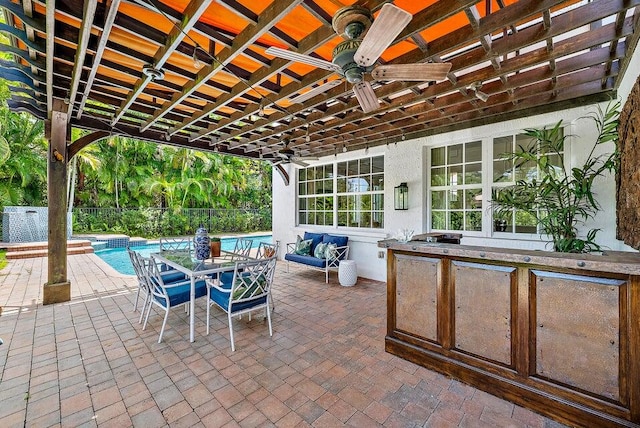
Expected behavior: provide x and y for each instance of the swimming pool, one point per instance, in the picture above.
(118, 258)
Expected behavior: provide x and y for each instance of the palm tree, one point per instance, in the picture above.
(85, 158)
(23, 174)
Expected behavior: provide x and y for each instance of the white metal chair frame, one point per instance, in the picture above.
(250, 291)
(176, 244)
(267, 250)
(142, 282)
(241, 250)
(159, 295)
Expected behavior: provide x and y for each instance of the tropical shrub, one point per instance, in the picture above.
(563, 198)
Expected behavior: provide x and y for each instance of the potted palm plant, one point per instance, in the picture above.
(562, 198)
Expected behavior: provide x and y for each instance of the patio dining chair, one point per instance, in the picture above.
(267, 250)
(247, 292)
(167, 294)
(142, 282)
(241, 250)
(139, 264)
(176, 244)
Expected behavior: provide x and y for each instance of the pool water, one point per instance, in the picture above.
(118, 258)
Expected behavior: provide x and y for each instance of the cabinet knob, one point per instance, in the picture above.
(527, 259)
(581, 264)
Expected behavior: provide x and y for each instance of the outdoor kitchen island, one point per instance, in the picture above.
(557, 333)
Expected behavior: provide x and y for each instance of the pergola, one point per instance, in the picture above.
(197, 74)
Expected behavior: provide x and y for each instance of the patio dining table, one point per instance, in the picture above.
(184, 261)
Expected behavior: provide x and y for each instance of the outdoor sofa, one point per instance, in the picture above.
(320, 251)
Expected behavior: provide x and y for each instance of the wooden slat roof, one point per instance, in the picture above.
(221, 91)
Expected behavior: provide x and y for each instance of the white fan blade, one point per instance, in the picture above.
(300, 163)
(305, 59)
(309, 158)
(412, 72)
(315, 91)
(366, 96)
(390, 22)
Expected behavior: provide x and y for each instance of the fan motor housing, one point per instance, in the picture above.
(343, 58)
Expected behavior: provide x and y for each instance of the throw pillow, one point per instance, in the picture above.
(247, 287)
(303, 246)
(320, 250)
(331, 252)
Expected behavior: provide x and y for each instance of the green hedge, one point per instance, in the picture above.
(152, 222)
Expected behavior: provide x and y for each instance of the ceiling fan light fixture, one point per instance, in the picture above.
(154, 73)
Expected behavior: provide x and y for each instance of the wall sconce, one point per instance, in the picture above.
(58, 155)
(401, 197)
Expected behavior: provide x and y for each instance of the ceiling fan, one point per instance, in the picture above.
(356, 56)
(475, 88)
(287, 155)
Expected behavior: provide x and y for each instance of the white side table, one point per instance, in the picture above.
(347, 273)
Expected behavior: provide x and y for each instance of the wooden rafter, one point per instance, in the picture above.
(97, 56)
(192, 14)
(81, 50)
(528, 54)
(272, 15)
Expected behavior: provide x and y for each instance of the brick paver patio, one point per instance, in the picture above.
(88, 362)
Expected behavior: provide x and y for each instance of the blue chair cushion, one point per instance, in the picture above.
(222, 299)
(340, 241)
(316, 238)
(226, 278)
(172, 276)
(307, 260)
(181, 293)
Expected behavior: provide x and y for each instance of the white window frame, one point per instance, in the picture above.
(487, 182)
(336, 195)
(462, 187)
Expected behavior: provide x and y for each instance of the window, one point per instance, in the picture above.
(357, 186)
(456, 187)
(461, 179)
(315, 195)
(506, 172)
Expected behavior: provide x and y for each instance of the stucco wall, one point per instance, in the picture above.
(405, 161)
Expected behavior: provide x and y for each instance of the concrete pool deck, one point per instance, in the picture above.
(88, 362)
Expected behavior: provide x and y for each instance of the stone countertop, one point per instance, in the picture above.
(608, 261)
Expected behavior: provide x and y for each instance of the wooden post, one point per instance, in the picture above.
(57, 288)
